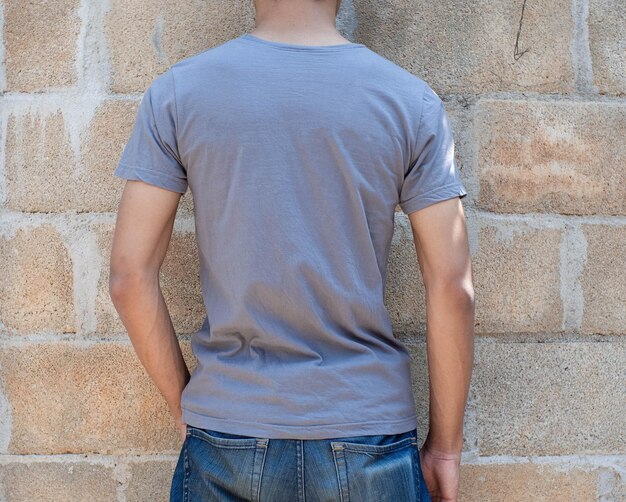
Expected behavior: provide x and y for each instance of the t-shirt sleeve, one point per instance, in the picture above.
(432, 175)
(151, 153)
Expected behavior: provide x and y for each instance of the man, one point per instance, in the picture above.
(297, 146)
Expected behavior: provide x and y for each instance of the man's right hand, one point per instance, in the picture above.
(441, 472)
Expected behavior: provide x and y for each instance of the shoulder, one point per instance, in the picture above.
(215, 64)
(398, 75)
(165, 83)
(417, 93)
(216, 54)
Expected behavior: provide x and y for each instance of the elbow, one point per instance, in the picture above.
(116, 285)
(125, 283)
(459, 289)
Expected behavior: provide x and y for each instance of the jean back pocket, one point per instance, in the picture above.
(222, 466)
(378, 468)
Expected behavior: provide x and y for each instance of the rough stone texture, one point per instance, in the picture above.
(57, 482)
(404, 289)
(150, 481)
(40, 44)
(551, 398)
(70, 398)
(145, 38)
(36, 283)
(525, 482)
(419, 383)
(559, 157)
(603, 283)
(516, 279)
(40, 156)
(180, 283)
(548, 154)
(607, 42)
(459, 46)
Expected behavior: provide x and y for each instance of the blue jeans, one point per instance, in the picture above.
(219, 466)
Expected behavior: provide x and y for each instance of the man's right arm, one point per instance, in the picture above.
(442, 247)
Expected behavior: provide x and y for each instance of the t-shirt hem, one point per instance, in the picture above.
(304, 431)
(421, 201)
(130, 172)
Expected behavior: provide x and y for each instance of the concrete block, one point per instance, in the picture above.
(516, 274)
(603, 283)
(473, 47)
(40, 40)
(607, 43)
(521, 482)
(551, 398)
(70, 397)
(150, 480)
(36, 284)
(550, 157)
(72, 481)
(145, 37)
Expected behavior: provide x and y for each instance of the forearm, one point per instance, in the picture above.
(142, 309)
(450, 352)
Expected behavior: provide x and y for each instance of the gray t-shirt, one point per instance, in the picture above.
(296, 157)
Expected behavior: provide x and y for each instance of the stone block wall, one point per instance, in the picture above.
(536, 90)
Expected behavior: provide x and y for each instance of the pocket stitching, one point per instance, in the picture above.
(223, 442)
(261, 448)
(376, 449)
(185, 473)
(418, 473)
(343, 487)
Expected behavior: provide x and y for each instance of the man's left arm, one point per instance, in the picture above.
(143, 230)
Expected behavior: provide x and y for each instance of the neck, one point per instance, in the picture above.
(299, 22)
